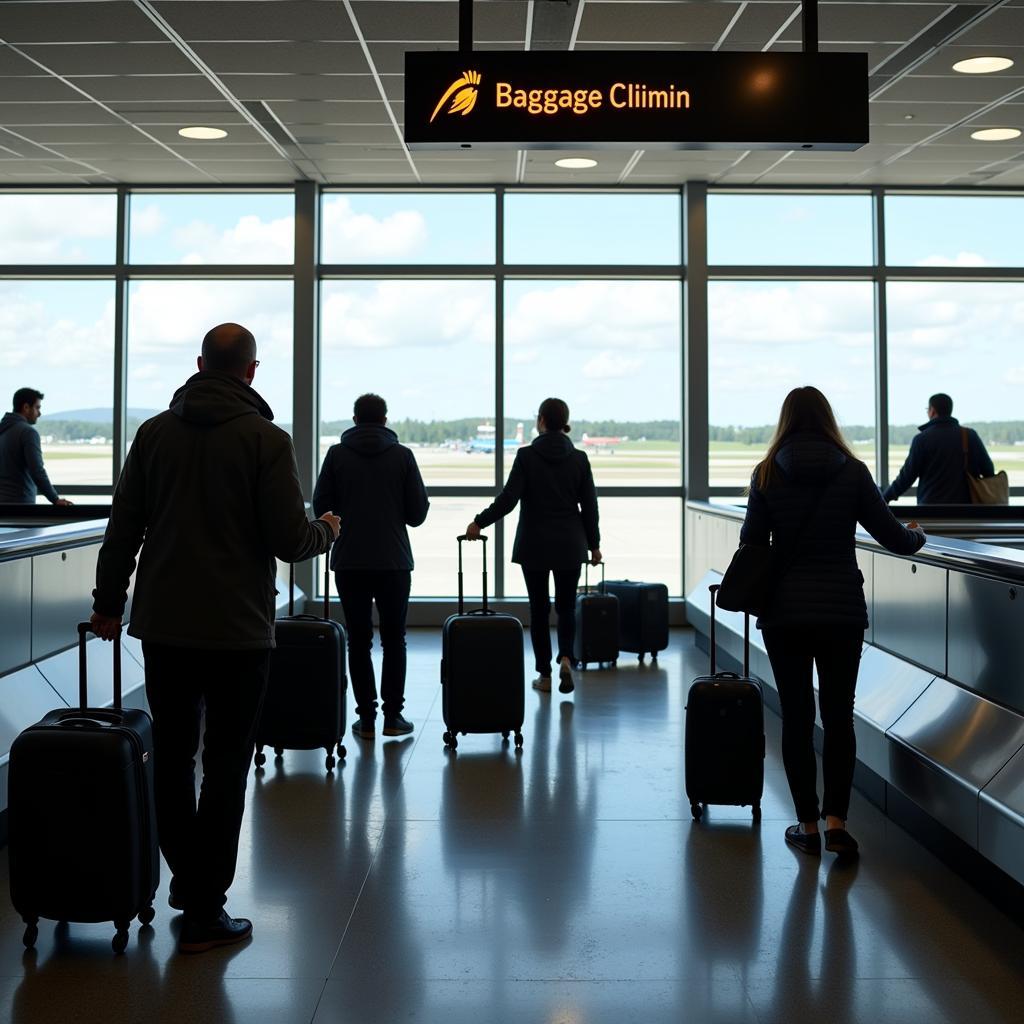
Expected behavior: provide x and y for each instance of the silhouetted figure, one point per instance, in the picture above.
(374, 485)
(552, 482)
(807, 496)
(212, 487)
(22, 473)
(936, 457)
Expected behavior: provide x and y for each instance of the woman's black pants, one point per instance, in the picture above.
(566, 581)
(793, 652)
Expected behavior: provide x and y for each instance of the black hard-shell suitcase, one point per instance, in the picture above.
(725, 734)
(306, 696)
(482, 680)
(597, 625)
(83, 839)
(643, 616)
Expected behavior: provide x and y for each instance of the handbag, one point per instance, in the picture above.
(756, 570)
(985, 490)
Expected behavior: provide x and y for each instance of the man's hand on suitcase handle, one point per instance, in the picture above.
(473, 531)
(107, 627)
(595, 556)
(333, 522)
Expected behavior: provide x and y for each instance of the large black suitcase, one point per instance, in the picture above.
(597, 625)
(83, 840)
(306, 695)
(643, 616)
(725, 734)
(482, 679)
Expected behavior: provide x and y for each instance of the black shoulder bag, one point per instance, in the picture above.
(756, 570)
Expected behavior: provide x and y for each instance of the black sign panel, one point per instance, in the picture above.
(599, 99)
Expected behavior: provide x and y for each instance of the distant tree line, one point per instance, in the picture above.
(997, 432)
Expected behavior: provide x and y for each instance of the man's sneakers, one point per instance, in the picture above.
(397, 726)
(201, 936)
(542, 683)
(365, 728)
(566, 683)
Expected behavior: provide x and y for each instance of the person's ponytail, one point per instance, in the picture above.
(555, 414)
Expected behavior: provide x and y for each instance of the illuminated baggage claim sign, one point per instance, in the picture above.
(598, 99)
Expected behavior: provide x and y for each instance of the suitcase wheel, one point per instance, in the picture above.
(697, 811)
(329, 762)
(31, 934)
(146, 915)
(640, 657)
(278, 751)
(519, 741)
(504, 737)
(654, 656)
(119, 943)
(755, 811)
(259, 758)
(342, 752)
(450, 740)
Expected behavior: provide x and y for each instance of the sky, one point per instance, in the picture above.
(611, 348)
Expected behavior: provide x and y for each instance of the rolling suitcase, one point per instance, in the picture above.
(305, 703)
(83, 840)
(725, 734)
(482, 679)
(643, 616)
(597, 625)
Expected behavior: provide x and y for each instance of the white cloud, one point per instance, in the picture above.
(147, 220)
(962, 259)
(524, 356)
(251, 240)
(611, 366)
(1015, 375)
(351, 237)
(45, 228)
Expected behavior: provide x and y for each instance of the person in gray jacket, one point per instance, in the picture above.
(22, 473)
(374, 485)
(212, 488)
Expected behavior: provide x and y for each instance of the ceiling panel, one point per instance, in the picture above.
(174, 88)
(117, 21)
(640, 20)
(438, 20)
(260, 21)
(302, 87)
(161, 58)
(291, 57)
(36, 89)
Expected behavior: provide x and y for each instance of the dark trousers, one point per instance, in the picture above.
(566, 581)
(793, 653)
(200, 839)
(358, 589)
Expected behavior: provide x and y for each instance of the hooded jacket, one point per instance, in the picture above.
(552, 482)
(373, 483)
(937, 456)
(212, 488)
(821, 584)
(22, 474)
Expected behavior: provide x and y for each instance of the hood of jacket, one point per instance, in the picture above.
(554, 447)
(940, 421)
(808, 458)
(210, 398)
(11, 419)
(369, 438)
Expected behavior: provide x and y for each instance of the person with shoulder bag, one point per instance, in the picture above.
(806, 498)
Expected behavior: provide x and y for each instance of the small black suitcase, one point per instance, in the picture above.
(597, 625)
(725, 734)
(643, 616)
(482, 680)
(306, 695)
(83, 840)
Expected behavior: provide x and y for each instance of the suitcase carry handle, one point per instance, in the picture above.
(714, 589)
(462, 605)
(84, 629)
(586, 584)
(327, 586)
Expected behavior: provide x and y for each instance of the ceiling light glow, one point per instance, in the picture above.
(996, 134)
(202, 133)
(575, 163)
(982, 65)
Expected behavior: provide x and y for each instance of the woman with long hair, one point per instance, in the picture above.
(806, 498)
(552, 482)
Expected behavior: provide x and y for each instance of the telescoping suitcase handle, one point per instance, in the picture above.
(714, 589)
(84, 629)
(462, 603)
(586, 583)
(327, 586)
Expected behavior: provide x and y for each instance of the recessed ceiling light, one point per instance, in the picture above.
(908, 117)
(202, 133)
(575, 163)
(982, 65)
(996, 134)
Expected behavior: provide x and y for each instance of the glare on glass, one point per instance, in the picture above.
(560, 227)
(58, 337)
(57, 228)
(406, 227)
(428, 348)
(208, 227)
(166, 324)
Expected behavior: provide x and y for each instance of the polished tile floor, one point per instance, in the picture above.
(565, 885)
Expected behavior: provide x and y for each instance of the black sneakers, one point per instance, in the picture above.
(201, 936)
(365, 728)
(807, 842)
(397, 726)
(841, 843)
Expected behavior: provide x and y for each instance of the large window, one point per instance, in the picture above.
(56, 228)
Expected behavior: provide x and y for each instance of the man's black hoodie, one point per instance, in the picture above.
(552, 481)
(374, 484)
(211, 486)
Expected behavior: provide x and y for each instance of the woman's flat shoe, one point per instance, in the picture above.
(542, 683)
(841, 843)
(565, 680)
(807, 842)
